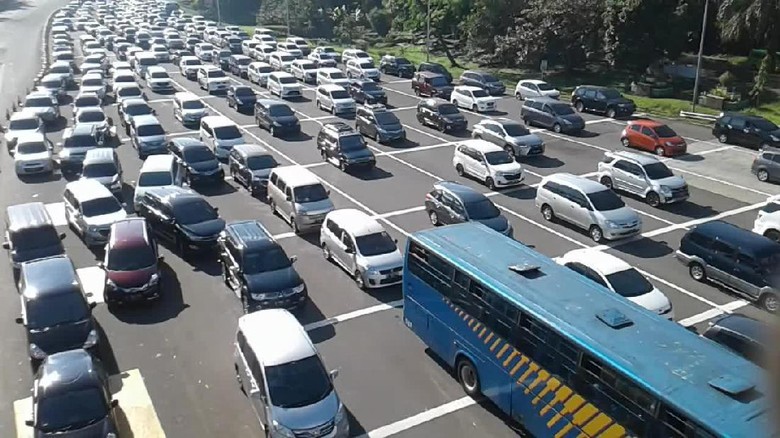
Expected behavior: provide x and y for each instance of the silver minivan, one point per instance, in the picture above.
(588, 205)
(102, 165)
(359, 244)
(299, 197)
(90, 209)
(642, 175)
(284, 378)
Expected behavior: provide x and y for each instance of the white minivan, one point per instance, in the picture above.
(284, 378)
(283, 85)
(488, 163)
(298, 196)
(220, 134)
(157, 171)
(90, 209)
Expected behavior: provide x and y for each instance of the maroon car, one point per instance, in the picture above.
(131, 263)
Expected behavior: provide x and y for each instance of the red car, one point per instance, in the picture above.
(651, 136)
(132, 263)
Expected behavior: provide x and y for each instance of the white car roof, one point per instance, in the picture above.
(296, 175)
(30, 137)
(25, 113)
(332, 87)
(88, 189)
(355, 222)
(157, 163)
(483, 146)
(155, 68)
(329, 70)
(258, 64)
(533, 81)
(467, 88)
(289, 342)
(600, 261)
(282, 74)
(186, 96)
(218, 121)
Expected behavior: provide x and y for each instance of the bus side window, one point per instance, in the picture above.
(431, 269)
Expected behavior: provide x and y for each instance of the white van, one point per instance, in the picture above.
(299, 197)
(335, 99)
(272, 350)
(281, 61)
(488, 163)
(90, 209)
(144, 60)
(283, 85)
(331, 75)
(157, 171)
(258, 72)
(220, 134)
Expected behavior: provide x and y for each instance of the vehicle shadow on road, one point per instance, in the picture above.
(585, 134)
(9, 5)
(645, 248)
(309, 314)
(355, 428)
(40, 179)
(541, 162)
(691, 210)
(689, 158)
(106, 352)
(373, 174)
(169, 306)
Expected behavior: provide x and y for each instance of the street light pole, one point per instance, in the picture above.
(287, 6)
(698, 60)
(428, 35)
(219, 14)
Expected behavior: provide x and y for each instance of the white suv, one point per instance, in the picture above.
(487, 162)
(348, 54)
(768, 220)
(619, 277)
(331, 75)
(473, 98)
(362, 68)
(188, 66)
(212, 78)
(258, 72)
(335, 99)
(643, 175)
(220, 134)
(283, 85)
(304, 70)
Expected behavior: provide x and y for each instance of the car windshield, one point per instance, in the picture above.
(229, 132)
(629, 283)
(195, 211)
(479, 93)
(37, 102)
(439, 81)
(370, 86)
(562, 109)
(92, 82)
(328, 49)
(499, 157)
(544, 86)
(148, 61)
(763, 124)
(53, 310)
(375, 244)
(198, 154)
(124, 78)
(287, 80)
(664, 131)
(309, 66)
(192, 62)
(366, 64)
(24, 124)
(72, 409)
(287, 58)
(481, 210)
(299, 383)
(489, 78)
(267, 260)
(51, 83)
(244, 61)
(216, 74)
(280, 111)
(339, 94)
(337, 75)
(352, 142)
(605, 200)
(149, 130)
(31, 148)
(611, 94)
(310, 193)
(129, 92)
(159, 75)
(91, 117)
(206, 47)
(80, 141)
(155, 179)
(60, 69)
(448, 109)
(264, 69)
(99, 170)
(516, 130)
(138, 110)
(244, 91)
(100, 206)
(386, 118)
(259, 162)
(402, 61)
(657, 171)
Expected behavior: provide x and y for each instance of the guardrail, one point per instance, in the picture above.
(698, 116)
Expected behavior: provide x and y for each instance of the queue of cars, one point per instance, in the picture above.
(254, 266)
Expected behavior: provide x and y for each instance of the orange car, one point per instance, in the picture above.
(649, 135)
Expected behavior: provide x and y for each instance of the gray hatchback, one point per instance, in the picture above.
(766, 165)
(551, 114)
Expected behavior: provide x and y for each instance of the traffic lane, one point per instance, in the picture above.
(386, 374)
(564, 155)
(458, 423)
(388, 187)
(744, 220)
(301, 148)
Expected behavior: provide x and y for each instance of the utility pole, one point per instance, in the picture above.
(287, 6)
(219, 15)
(698, 60)
(428, 35)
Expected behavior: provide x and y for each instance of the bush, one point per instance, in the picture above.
(727, 79)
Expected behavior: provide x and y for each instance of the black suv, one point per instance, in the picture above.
(250, 165)
(344, 147)
(198, 161)
(602, 100)
(440, 114)
(398, 66)
(55, 312)
(425, 83)
(743, 335)
(256, 268)
(367, 91)
(376, 122)
(745, 130)
(241, 97)
(277, 117)
(182, 218)
(435, 67)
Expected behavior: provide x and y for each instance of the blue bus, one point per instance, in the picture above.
(564, 357)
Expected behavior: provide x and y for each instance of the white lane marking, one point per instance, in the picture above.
(713, 313)
(403, 108)
(652, 216)
(93, 280)
(284, 235)
(423, 417)
(56, 212)
(352, 315)
(179, 134)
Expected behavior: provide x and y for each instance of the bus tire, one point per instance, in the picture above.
(468, 377)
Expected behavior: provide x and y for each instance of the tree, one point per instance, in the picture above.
(755, 20)
(760, 85)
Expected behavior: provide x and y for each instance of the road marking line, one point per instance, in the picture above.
(179, 134)
(423, 417)
(724, 182)
(713, 313)
(56, 212)
(93, 281)
(403, 108)
(352, 315)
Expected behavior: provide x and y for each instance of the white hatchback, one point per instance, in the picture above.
(767, 221)
(473, 98)
(488, 163)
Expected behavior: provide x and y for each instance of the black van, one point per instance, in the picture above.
(30, 234)
(739, 259)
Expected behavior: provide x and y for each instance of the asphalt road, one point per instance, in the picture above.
(390, 384)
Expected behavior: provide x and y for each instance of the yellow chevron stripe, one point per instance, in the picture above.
(541, 377)
(477, 326)
(595, 426)
(584, 414)
(495, 345)
(489, 337)
(551, 385)
(482, 333)
(472, 321)
(560, 396)
(511, 357)
(532, 368)
(502, 351)
(569, 407)
(523, 360)
(614, 431)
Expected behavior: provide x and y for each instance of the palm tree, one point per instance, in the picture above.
(755, 20)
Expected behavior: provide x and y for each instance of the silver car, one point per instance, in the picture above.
(513, 136)
(587, 205)
(642, 175)
(43, 105)
(297, 195)
(21, 123)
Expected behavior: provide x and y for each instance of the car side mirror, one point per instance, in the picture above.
(101, 265)
(293, 259)
(92, 305)
(62, 236)
(288, 197)
(333, 374)
(216, 209)
(349, 251)
(29, 423)
(6, 245)
(19, 320)
(160, 258)
(154, 111)
(114, 403)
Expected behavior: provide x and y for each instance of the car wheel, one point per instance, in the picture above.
(547, 213)
(244, 302)
(596, 234)
(490, 183)
(272, 205)
(660, 151)
(557, 128)
(343, 166)
(474, 108)
(433, 217)
(459, 169)
(611, 113)
(697, 271)
(527, 121)
(468, 377)
(653, 199)
(723, 138)
(579, 106)
(442, 127)
(325, 252)
(625, 142)
(181, 247)
(773, 234)
(272, 131)
(769, 302)
(764, 146)
(762, 175)
(518, 96)
(359, 281)
(606, 182)
(294, 225)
